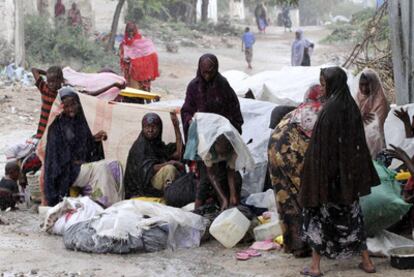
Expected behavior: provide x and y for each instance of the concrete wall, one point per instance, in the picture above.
(236, 8)
(7, 20)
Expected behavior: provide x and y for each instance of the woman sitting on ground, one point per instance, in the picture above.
(152, 165)
(74, 157)
(373, 105)
(287, 147)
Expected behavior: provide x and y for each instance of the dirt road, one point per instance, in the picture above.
(26, 251)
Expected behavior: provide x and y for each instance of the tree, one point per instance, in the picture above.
(114, 26)
(204, 10)
(19, 49)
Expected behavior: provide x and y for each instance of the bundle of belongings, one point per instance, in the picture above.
(129, 226)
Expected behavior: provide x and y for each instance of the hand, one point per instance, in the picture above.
(127, 60)
(403, 116)
(368, 118)
(174, 119)
(224, 204)
(398, 153)
(100, 136)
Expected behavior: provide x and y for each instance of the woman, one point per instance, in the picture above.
(151, 164)
(287, 147)
(74, 157)
(261, 17)
(337, 171)
(139, 59)
(301, 50)
(210, 92)
(373, 105)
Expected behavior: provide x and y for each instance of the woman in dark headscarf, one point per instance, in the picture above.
(286, 151)
(210, 92)
(152, 164)
(336, 172)
(71, 157)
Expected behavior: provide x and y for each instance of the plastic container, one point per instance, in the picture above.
(268, 231)
(229, 227)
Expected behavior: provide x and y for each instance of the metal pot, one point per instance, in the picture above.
(402, 257)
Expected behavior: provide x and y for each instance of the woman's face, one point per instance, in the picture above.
(130, 31)
(207, 70)
(151, 131)
(364, 86)
(323, 85)
(70, 106)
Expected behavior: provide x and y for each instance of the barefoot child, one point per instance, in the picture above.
(8, 186)
(248, 40)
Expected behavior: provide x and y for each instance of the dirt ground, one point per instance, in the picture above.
(26, 251)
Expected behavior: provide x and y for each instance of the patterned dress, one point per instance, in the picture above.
(287, 147)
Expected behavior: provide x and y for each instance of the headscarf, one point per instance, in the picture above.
(68, 140)
(127, 40)
(375, 102)
(307, 113)
(142, 158)
(214, 96)
(338, 166)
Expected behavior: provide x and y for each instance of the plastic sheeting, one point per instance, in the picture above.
(395, 133)
(210, 127)
(133, 217)
(284, 87)
(385, 241)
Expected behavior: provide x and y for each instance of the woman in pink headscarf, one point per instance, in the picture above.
(374, 108)
(139, 59)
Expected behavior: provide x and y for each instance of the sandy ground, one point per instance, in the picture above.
(26, 251)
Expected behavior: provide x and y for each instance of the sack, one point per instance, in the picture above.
(385, 205)
(182, 191)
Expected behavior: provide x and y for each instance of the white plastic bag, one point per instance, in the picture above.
(384, 241)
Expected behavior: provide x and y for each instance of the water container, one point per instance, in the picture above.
(229, 227)
(267, 231)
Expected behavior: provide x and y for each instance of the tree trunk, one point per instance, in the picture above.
(19, 50)
(402, 27)
(204, 10)
(114, 27)
(194, 11)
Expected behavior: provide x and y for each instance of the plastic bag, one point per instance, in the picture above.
(385, 241)
(82, 237)
(182, 191)
(384, 206)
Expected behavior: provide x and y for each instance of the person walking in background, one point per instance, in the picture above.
(301, 50)
(138, 58)
(74, 16)
(248, 41)
(261, 17)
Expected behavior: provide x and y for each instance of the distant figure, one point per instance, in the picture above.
(301, 50)
(261, 17)
(287, 22)
(59, 9)
(74, 16)
(248, 40)
(138, 58)
(8, 186)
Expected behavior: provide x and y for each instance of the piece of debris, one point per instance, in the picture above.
(172, 47)
(3, 221)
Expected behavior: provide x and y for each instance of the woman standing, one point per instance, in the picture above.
(287, 147)
(139, 59)
(374, 109)
(210, 92)
(336, 172)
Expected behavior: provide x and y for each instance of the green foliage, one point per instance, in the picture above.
(46, 45)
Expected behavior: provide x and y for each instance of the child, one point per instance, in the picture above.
(8, 186)
(220, 172)
(248, 40)
(48, 91)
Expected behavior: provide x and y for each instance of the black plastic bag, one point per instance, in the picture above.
(182, 191)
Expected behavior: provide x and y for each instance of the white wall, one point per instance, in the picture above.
(7, 20)
(237, 9)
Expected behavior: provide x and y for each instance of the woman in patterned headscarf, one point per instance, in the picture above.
(152, 164)
(287, 147)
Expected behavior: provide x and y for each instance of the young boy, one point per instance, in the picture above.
(219, 172)
(8, 186)
(48, 90)
(248, 40)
